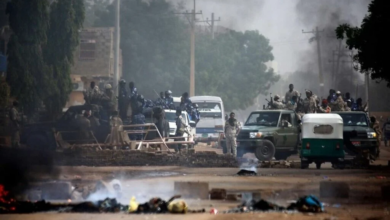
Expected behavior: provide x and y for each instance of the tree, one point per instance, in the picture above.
(26, 68)
(92, 10)
(371, 41)
(155, 48)
(66, 19)
(40, 51)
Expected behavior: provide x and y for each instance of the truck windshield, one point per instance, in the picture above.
(354, 119)
(263, 118)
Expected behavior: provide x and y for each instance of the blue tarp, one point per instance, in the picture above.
(3, 63)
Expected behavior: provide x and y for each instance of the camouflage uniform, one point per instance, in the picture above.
(375, 126)
(14, 117)
(180, 130)
(338, 104)
(289, 95)
(291, 106)
(231, 129)
(310, 104)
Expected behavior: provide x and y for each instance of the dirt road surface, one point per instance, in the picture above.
(275, 185)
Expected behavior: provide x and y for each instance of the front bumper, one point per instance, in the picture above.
(245, 143)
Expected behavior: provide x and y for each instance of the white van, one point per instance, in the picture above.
(212, 118)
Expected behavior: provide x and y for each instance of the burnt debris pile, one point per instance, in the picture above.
(304, 204)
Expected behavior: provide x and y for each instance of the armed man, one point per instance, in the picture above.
(338, 104)
(277, 103)
(160, 101)
(195, 114)
(324, 107)
(122, 100)
(15, 124)
(133, 91)
(310, 103)
(232, 128)
(169, 100)
(186, 104)
(290, 94)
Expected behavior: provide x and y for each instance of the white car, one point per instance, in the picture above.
(170, 116)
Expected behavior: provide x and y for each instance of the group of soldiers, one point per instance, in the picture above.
(133, 106)
(312, 103)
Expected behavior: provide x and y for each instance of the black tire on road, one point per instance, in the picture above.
(265, 152)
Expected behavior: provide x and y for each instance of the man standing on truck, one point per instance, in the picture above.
(290, 94)
(232, 128)
(15, 124)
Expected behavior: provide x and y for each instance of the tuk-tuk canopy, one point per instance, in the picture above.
(322, 126)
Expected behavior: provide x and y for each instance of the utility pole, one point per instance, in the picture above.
(317, 36)
(117, 43)
(335, 72)
(192, 22)
(211, 24)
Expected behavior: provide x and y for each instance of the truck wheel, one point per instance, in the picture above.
(266, 151)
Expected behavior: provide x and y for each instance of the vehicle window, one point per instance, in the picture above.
(209, 109)
(263, 118)
(323, 129)
(354, 120)
(285, 117)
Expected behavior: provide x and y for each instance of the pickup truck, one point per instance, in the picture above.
(359, 138)
(269, 134)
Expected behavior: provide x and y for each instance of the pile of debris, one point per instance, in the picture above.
(129, 158)
(304, 204)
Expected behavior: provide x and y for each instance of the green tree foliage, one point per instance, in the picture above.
(66, 19)
(92, 10)
(40, 51)
(155, 47)
(26, 69)
(371, 40)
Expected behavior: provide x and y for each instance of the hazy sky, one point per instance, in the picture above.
(282, 21)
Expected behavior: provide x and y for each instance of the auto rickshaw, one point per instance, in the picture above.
(322, 140)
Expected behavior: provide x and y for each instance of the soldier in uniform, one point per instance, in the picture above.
(277, 103)
(290, 94)
(122, 100)
(386, 131)
(324, 107)
(332, 96)
(133, 91)
(375, 126)
(338, 104)
(348, 105)
(169, 100)
(88, 93)
(292, 105)
(195, 113)
(310, 104)
(115, 122)
(180, 129)
(186, 104)
(15, 124)
(232, 128)
(161, 101)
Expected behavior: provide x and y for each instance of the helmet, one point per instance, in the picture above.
(122, 81)
(108, 86)
(168, 92)
(276, 97)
